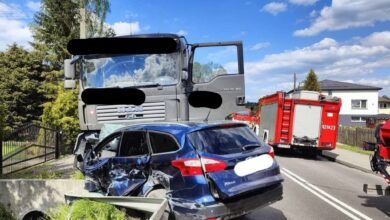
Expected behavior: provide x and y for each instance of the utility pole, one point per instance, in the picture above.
(295, 81)
(83, 29)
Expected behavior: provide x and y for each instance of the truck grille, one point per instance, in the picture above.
(153, 111)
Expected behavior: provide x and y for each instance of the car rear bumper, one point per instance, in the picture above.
(229, 209)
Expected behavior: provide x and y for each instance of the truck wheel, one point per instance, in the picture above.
(161, 194)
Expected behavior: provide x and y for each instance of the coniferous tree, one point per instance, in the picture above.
(20, 78)
(311, 82)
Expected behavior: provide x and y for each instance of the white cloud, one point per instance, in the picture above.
(275, 8)
(260, 46)
(182, 33)
(126, 28)
(377, 38)
(13, 28)
(330, 60)
(313, 13)
(344, 14)
(33, 6)
(303, 2)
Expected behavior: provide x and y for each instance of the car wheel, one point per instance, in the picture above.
(161, 194)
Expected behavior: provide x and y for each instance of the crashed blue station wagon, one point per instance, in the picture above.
(204, 170)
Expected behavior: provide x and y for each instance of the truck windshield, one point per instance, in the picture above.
(99, 71)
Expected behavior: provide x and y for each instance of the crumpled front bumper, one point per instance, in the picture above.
(229, 209)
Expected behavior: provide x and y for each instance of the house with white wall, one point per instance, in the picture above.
(384, 105)
(358, 101)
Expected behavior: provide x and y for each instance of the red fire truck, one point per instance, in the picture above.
(380, 161)
(304, 120)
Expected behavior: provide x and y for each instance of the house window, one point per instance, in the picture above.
(330, 92)
(359, 104)
(357, 119)
(384, 105)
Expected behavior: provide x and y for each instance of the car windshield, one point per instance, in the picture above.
(224, 140)
(130, 70)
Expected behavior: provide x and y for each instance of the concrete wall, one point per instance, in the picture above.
(22, 196)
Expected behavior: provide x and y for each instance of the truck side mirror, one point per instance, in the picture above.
(69, 71)
(184, 74)
(70, 84)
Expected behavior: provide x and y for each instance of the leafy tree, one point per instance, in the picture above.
(311, 82)
(96, 11)
(20, 78)
(62, 113)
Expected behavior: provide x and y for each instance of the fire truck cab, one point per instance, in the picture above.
(302, 120)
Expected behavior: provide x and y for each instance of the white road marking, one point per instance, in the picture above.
(339, 205)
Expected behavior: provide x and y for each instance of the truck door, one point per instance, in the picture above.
(218, 67)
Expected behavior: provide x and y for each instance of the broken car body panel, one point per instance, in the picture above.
(199, 183)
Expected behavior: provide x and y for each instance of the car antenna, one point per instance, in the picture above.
(207, 117)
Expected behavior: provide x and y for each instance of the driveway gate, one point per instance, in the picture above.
(28, 146)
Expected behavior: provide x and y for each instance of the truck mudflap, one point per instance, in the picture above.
(233, 208)
(154, 208)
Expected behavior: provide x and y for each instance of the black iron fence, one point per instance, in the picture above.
(28, 146)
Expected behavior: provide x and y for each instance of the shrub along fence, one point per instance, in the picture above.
(355, 136)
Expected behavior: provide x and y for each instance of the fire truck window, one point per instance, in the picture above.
(162, 143)
(133, 144)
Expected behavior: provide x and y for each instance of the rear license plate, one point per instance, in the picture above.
(253, 165)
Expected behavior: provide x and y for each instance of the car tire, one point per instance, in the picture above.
(161, 194)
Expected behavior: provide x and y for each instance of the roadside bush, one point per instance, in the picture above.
(87, 210)
(62, 113)
(77, 175)
(5, 213)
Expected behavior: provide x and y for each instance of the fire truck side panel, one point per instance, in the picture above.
(306, 125)
(267, 128)
(329, 126)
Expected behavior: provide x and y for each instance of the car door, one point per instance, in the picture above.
(218, 67)
(164, 148)
(130, 169)
(97, 163)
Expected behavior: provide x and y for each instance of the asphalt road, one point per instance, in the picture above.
(321, 189)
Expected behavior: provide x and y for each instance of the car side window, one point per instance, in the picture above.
(162, 143)
(109, 147)
(133, 144)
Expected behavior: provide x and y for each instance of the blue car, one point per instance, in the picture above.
(205, 171)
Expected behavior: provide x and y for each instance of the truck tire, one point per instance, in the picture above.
(161, 194)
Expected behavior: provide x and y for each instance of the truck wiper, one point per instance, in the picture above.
(250, 146)
(148, 85)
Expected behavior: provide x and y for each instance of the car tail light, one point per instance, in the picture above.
(271, 152)
(212, 165)
(193, 166)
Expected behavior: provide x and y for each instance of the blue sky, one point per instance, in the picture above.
(346, 40)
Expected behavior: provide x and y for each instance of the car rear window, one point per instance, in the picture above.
(224, 140)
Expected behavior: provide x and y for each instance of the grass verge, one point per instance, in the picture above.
(354, 149)
(87, 209)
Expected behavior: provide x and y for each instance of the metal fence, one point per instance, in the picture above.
(28, 146)
(355, 136)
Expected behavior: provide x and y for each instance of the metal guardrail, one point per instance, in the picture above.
(152, 206)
